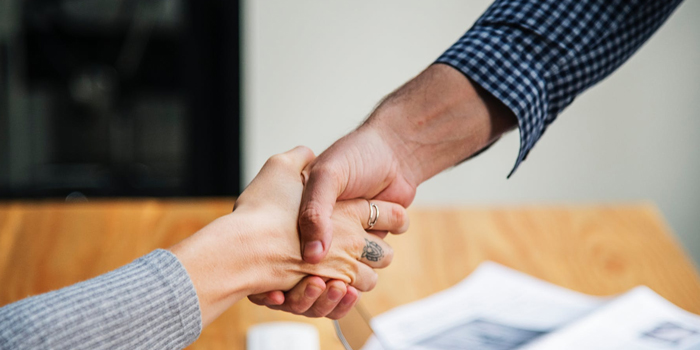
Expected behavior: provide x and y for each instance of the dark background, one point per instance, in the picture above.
(120, 98)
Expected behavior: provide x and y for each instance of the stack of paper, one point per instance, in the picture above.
(497, 308)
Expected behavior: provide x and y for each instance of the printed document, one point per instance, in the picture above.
(497, 308)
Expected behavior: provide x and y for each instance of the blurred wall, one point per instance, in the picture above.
(314, 69)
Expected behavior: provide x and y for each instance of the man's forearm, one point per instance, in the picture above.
(438, 119)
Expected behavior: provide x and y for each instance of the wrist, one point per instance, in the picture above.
(438, 119)
(221, 272)
(396, 144)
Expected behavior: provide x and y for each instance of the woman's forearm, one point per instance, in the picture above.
(147, 304)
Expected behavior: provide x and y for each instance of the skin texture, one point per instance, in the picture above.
(255, 248)
(433, 122)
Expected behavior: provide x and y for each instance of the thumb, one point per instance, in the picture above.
(322, 189)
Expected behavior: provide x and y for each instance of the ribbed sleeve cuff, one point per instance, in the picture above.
(184, 296)
(150, 303)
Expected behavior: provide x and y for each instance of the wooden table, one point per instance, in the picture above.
(598, 250)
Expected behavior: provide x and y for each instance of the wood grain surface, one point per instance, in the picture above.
(599, 250)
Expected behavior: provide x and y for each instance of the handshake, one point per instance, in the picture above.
(255, 251)
(314, 227)
(329, 287)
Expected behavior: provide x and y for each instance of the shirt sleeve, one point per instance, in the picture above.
(536, 56)
(148, 304)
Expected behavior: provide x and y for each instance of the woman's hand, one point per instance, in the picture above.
(255, 249)
(270, 200)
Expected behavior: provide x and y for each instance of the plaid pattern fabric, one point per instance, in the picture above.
(536, 56)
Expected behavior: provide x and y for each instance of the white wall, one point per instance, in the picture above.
(314, 69)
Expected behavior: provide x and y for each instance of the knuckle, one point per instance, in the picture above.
(366, 282)
(297, 308)
(336, 315)
(314, 313)
(352, 271)
(397, 216)
(358, 244)
(373, 282)
(370, 283)
(278, 159)
(337, 284)
(388, 256)
(305, 149)
(311, 216)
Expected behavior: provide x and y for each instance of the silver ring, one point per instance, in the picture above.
(373, 215)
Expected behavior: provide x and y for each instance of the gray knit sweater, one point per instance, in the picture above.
(150, 303)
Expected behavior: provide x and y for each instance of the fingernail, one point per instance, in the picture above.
(312, 249)
(335, 294)
(312, 292)
(269, 302)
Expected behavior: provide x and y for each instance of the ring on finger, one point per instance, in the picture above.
(373, 215)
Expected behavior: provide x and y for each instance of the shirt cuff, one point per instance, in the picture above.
(500, 60)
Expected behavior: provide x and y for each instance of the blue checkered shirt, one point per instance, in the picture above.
(536, 56)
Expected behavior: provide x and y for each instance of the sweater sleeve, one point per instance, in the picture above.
(536, 56)
(150, 303)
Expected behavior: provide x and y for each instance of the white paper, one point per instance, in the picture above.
(495, 308)
(639, 319)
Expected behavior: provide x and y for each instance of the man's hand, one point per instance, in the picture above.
(363, 164)
(433, 122)
(311, 297)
